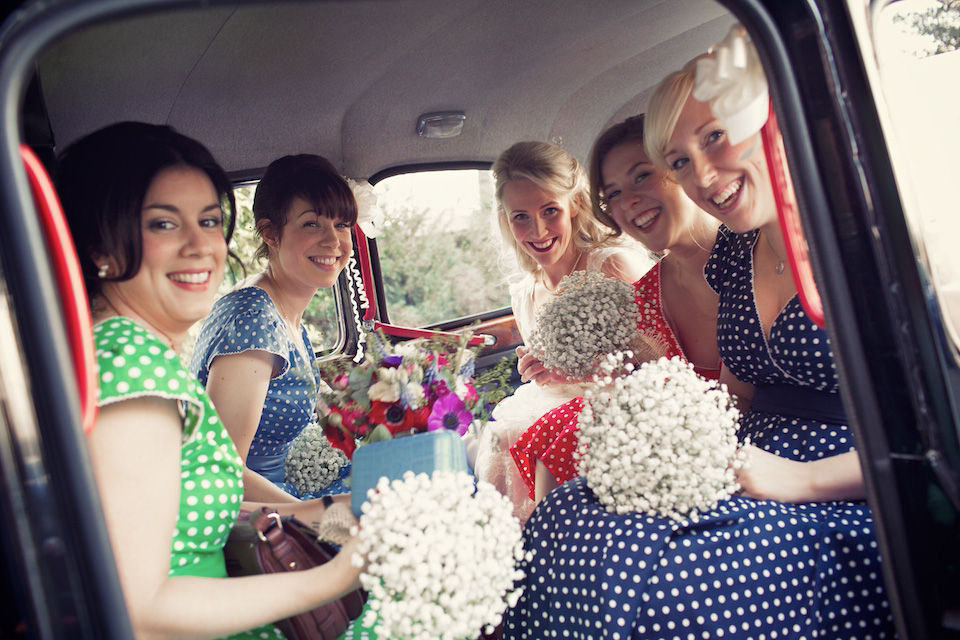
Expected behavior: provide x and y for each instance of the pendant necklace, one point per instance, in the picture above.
(543, 278)
(779, 267)
(291, 331)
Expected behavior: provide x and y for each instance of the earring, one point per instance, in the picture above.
(103, 270)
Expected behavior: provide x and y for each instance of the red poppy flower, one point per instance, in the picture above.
(391, 415)
(338, 438)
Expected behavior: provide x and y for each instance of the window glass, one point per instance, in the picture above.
(916, 42)
(321, 317)
(439, 246)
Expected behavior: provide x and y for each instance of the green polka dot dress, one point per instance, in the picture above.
(133, 364)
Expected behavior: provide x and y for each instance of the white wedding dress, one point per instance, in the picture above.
(514, 414)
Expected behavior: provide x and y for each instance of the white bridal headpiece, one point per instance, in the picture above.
(731, 79)
(369, 212)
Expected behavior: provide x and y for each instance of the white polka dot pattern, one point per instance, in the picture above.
(746, 569)
(244, 320)
(134, 363)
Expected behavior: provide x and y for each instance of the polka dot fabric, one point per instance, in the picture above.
(745, 569)
(553, 438)
(244, 320)
(133, 363)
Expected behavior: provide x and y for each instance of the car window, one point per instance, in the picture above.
(916, 45)
(439, 247)
(321, 317)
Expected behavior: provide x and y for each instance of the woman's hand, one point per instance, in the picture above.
(531, 369)
(767, 476)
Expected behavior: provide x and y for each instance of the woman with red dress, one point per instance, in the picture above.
(678, 308)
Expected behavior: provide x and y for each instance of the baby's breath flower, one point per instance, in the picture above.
(312, 463)
(590, 317)
(442, 556)
(662, 439)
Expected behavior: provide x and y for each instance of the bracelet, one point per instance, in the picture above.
(327, 501)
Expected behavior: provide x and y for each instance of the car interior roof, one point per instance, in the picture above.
(348, 80)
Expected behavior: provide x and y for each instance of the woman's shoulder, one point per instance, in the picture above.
(730, 251)
(247, 301)
(521, 283)
(134, 363)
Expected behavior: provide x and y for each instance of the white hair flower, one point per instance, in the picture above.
(369, 212)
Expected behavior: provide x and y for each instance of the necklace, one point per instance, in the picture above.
(287, 322)
(543, 278)
(779, 267)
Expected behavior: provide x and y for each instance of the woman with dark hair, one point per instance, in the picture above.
(253, 354)
(151, 212)
(678, 309)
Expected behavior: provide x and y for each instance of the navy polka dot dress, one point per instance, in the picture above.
(247, 319)
(745, 569)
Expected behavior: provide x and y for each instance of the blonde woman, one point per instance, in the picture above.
(547, 224)
(794, 555)
(679, 309)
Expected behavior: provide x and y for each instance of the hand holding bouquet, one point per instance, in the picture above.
(441, 556)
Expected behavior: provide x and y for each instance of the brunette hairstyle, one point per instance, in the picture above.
(311, 177)
(552, 169)
(630, 130)
(102, 180)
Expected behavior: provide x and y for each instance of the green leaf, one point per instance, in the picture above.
(379, 433)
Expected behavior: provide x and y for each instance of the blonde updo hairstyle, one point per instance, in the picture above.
(552, 169)
(664, 109)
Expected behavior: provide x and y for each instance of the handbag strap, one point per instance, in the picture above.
(269, 528)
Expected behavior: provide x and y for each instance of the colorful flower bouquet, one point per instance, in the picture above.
(660, 439)
(411, 387)
(441, 556)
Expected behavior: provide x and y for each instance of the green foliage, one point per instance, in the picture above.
(494, 385)
(439, 266)
(941, 22)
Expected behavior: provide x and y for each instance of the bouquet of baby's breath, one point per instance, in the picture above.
(590, 317)
(441, 554)
(312, 463)
(660, 439)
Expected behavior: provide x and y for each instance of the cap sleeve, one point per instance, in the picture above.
(243, 320)
(133, 363)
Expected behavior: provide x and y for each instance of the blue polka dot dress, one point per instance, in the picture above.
(133, 363)
(745, 569)
(246, 319)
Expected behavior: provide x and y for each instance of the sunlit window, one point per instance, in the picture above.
(439, 248)
(917, 42)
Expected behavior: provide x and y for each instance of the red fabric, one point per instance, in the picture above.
(553, 438)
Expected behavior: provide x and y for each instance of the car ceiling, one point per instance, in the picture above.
(349, 79)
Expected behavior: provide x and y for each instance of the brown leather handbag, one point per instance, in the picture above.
(262, 541)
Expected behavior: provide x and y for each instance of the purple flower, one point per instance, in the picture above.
(391, 361)
(449, 413)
